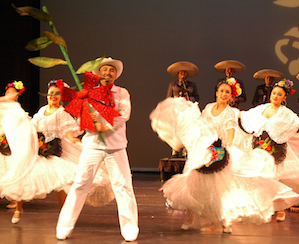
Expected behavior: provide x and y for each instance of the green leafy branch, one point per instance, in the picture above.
(53, 37)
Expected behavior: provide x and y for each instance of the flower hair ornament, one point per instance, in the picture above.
(51, 83)
(236, 87)
(18, 85)
(286, 85)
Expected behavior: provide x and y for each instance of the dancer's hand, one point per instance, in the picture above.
(94, 117)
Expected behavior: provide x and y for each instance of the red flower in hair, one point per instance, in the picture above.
(292, 92)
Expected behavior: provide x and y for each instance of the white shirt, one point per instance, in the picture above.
(116, 137)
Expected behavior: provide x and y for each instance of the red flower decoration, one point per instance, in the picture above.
(100, 98)
(269, 148)
(292, 92)
(44, 146)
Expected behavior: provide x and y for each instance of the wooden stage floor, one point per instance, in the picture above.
(157, 223)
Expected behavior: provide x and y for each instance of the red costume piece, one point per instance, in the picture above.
(100, 98)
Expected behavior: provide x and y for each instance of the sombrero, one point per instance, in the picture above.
(117, 64)
(261, 74)
(183, 65)
(236, 65)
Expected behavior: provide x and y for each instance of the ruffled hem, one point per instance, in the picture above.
(52, 174)
(222, 198)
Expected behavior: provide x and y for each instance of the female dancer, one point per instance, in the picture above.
(13, 90)
(208, 189)
(48, 171)
(274, 128)
(55, 167)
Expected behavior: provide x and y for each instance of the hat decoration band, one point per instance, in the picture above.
(286, 85)
(232, 82)
(18, 85)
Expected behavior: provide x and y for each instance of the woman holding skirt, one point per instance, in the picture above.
(209, 188)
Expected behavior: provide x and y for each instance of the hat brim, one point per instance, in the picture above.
(223, 65)
(175, 68)
(117, 64)
(261, 74)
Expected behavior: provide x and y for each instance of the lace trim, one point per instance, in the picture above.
(55, 125)
(221, 123)
(264, 141)
(218, 165)
(281, 127)
(50, 148)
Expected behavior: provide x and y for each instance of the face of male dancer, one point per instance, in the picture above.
(11, 90)
(54, 96)
(229, 72)
(278, 95)
(224, 93)
(269, 80)
(182, 74)
(109, 73)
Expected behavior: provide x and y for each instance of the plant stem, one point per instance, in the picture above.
(67, 59)
(66, 56)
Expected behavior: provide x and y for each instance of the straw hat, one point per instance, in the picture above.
(175, 68)
(236, 65)
(261, 74)
(117, 64)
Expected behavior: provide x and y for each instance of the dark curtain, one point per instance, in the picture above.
(16, 32)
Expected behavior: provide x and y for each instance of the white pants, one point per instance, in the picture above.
(118, 168)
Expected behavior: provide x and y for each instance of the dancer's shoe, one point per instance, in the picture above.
(16, 217)
(281, 216)
(11, 205)
(227, 229)
(185, 227)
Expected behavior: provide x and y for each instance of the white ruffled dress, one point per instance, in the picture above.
(281, 128)
(219, 198)
(30, 175)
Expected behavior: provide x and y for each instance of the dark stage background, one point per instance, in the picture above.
(148, 36)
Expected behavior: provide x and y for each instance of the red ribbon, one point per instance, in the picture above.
(100, 98)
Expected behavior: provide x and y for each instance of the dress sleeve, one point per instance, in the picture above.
(66, 123)
(231, 120)
(283, 126)
(249, 119)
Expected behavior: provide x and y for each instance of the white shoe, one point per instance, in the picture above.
(281, 216)
(15, 220)
(185, 227)
(227, 229)
(12, 204)
(131, 239)
(130, 232)
(63, 233)
(61, 237)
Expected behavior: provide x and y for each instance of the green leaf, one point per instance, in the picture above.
(38, 44)
(33, 12)
(89, 66)
(45, 62)
(56, 39)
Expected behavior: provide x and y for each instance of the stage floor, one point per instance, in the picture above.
(157, 223)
